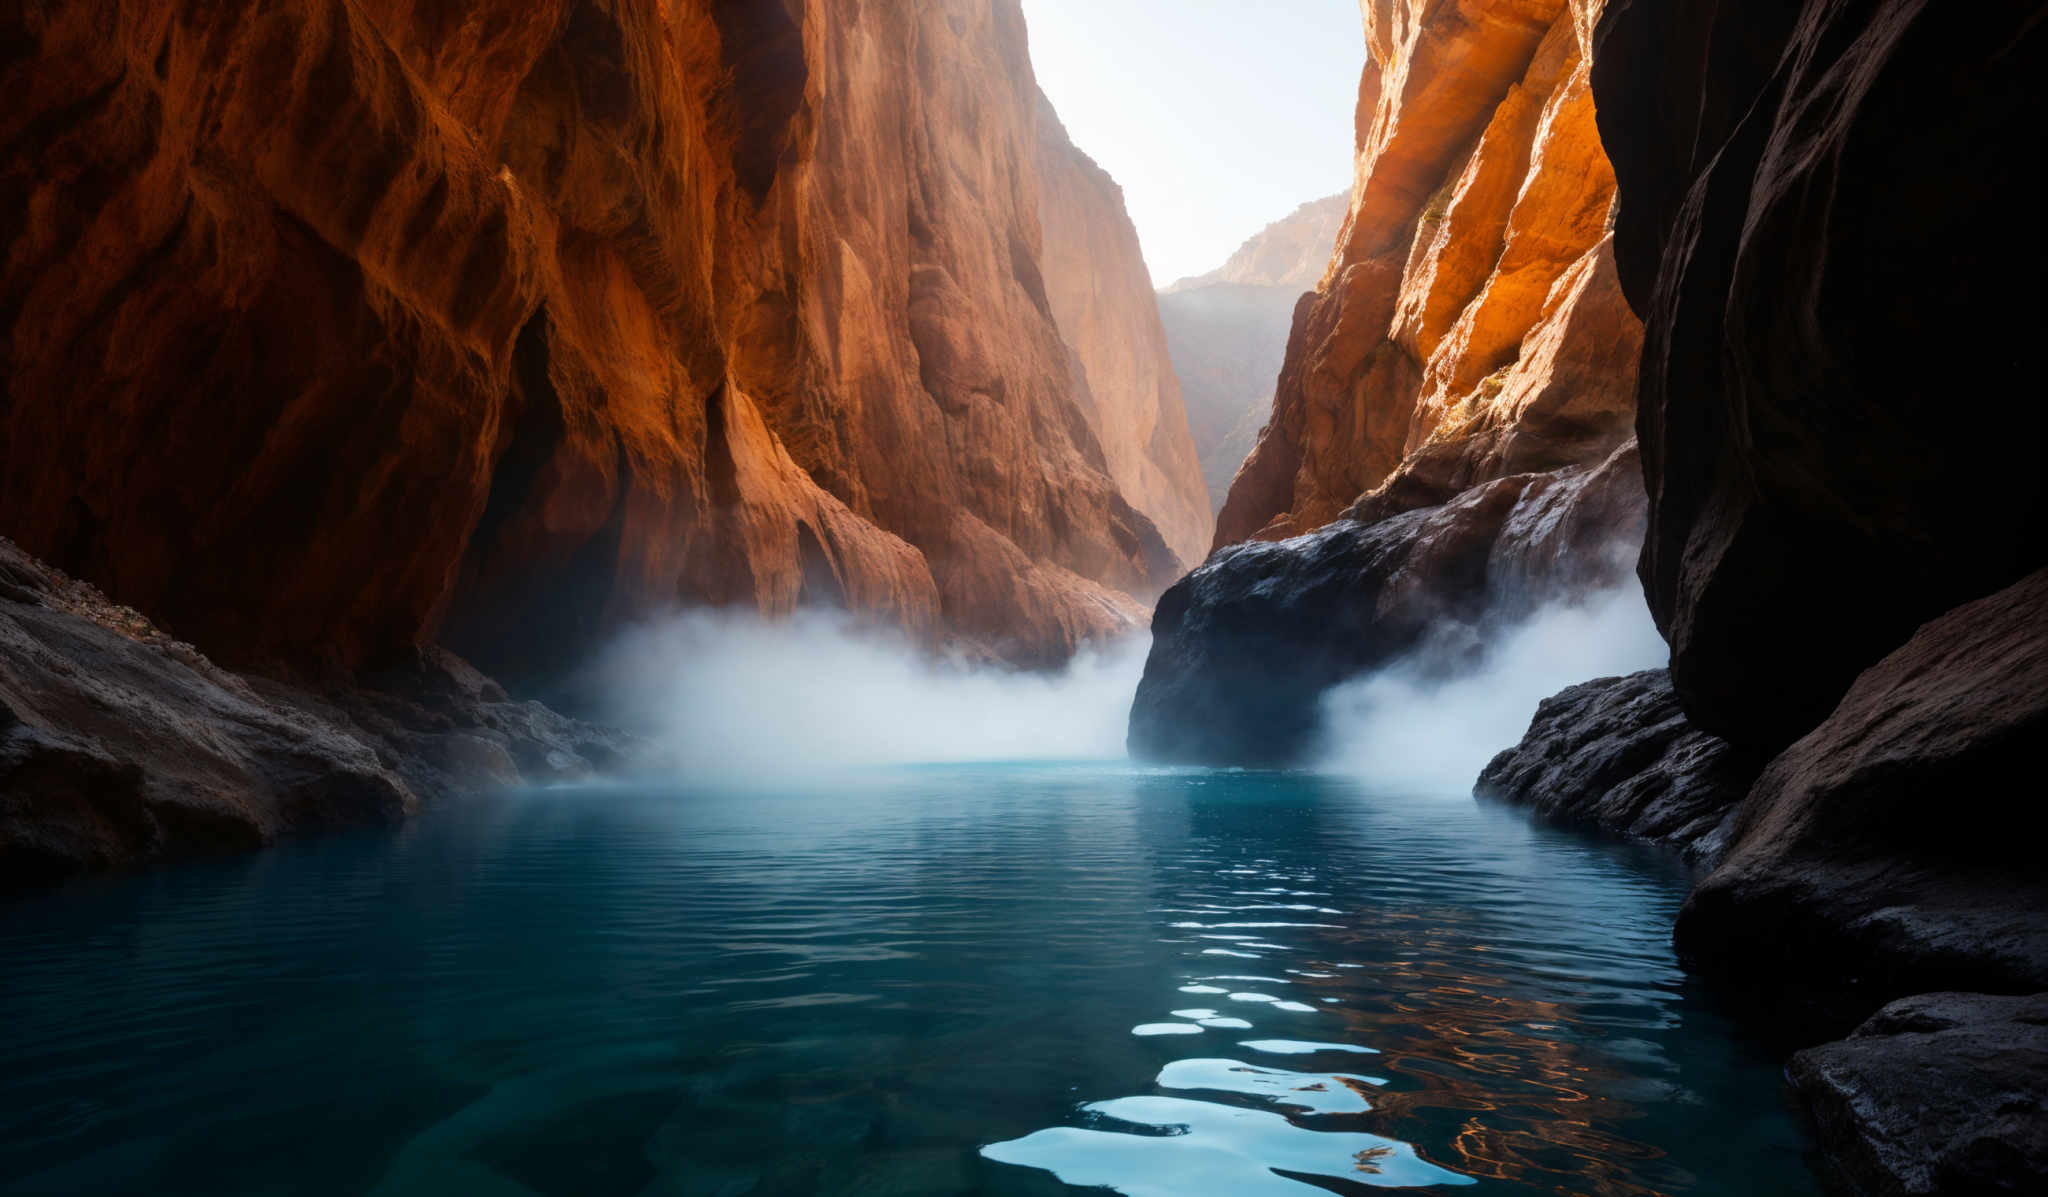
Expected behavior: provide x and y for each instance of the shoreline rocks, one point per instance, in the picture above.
(1244, 647)
(1618, 754)
(1937, 1094)
(120, 745)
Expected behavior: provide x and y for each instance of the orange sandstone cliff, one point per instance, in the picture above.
(1450, 443)
(329, 328)
(1470, 326)
(1124, 377)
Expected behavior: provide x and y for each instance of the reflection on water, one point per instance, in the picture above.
(952, 980)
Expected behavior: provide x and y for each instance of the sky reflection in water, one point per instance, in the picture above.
(933, 980)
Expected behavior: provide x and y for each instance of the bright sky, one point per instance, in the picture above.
(1218, 117)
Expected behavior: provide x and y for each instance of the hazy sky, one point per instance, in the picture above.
(1217, 116)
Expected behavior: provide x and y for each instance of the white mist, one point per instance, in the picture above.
(733, 694)
(1407, 727)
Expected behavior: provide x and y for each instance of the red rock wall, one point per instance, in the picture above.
(1102, 296)
(1470, 326)
(333, 325)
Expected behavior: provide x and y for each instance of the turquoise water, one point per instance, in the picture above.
(973, 979)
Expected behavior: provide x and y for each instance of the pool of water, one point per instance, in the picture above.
(971, 979)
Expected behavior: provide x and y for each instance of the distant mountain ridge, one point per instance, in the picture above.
(1227, 332)
(1291, 252)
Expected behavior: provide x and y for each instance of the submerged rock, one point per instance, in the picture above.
(1619, 754)
(119, 744)
(1944, 1093)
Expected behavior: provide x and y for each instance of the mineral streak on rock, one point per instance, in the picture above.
(334, 326)
(1470, 326)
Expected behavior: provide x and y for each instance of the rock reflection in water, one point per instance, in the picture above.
(1518, 1018)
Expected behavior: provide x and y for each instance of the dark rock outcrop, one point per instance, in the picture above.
(1244, 648)
(120, 745)
(1618, 754)
(1449, 443)
(1830, 222)
(1938, 1094)
(1895, 849)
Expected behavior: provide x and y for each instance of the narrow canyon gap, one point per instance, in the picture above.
(676, 493)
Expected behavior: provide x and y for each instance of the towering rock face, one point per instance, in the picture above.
(1449, 443)
(1846, 571)
(1830, 219)
(1470, 326)
(333, 325)
(1228, 332)
(1125, 380)
(1840, 275)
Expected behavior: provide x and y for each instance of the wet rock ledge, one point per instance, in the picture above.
(1617, 754)
(121, 745)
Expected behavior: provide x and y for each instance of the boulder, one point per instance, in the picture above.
(1943, 1093)
(1618, 754)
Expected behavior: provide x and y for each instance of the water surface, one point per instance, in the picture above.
(973, 979)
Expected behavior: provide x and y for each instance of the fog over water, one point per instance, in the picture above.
(737, 696)
(734, 693)
(1407, 726)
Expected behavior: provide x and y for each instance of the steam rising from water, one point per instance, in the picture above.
(732, 693)
(1407, 726)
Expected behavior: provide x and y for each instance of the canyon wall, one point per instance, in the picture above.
(1829, 218)
(1841, 389)
(1449, 444)
(1227, 330)
(1124, 377)
(1847, 566)
(1470, 325)
(331, 327)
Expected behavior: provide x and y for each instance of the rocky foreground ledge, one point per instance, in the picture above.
(121, 745)
(1617, 754)
(1892, 855)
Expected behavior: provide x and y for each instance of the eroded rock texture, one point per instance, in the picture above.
(1449, 444)
(1228, 333)
(1125, 381)
(1830, 220)
(1619, 755)
(1244, 647)
(119, 744)
(1941, 1093)
(1470, 326)
(333, 325)
(1895, 848)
